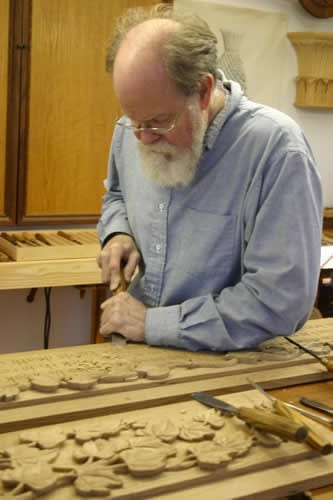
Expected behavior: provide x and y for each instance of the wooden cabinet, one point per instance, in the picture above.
(55, 135)
(4, 36)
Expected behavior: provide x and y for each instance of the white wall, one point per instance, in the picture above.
(21, 325)
(316, 124)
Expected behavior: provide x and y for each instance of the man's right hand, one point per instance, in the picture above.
(120, 250)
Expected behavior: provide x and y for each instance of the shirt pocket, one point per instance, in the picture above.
(207, 244)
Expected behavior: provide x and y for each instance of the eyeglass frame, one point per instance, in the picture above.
(162, 131)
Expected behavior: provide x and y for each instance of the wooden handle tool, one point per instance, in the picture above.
(43, 239)
(11, 239)
(69, 237)
(30, 237)
(20, 238)
(116, 338)
(261, 419)
(324, 361)
(314, 438)
(4, 257)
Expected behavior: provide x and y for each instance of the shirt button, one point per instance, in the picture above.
(157, 247)
(161, 207)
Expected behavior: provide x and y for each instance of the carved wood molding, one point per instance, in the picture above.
(318, 8)
(314, 82)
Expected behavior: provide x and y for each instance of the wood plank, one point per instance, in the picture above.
(53, 412)
(62, 272)
(98, 361)
(249, 470)
(265, 485)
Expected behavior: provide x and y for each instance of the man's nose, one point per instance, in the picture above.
(147, 137)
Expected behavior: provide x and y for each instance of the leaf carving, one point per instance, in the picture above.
(48, 438)
(195, 431)
(143, 462)
(166, 430)
(96, 480)
(39, 477)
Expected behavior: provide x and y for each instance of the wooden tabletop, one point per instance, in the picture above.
(150, 399)
(319, 391)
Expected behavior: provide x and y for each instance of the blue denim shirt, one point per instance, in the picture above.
(232, 259)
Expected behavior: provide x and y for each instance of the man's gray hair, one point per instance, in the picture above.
(189, 50)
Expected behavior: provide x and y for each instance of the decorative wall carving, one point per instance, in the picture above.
(314, 83)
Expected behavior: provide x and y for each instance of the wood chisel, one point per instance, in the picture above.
(261, 419)
(314, 438)
(69, 237)
(317, 405)
(43, 239)
(116, 338)
(324, 361)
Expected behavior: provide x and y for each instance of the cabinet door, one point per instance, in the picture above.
(4, 49)
(71, 110)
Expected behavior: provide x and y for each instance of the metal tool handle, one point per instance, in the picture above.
(317, 405)
(274, 424)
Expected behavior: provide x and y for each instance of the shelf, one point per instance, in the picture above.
(46, 273)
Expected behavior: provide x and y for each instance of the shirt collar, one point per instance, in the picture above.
(216, 125)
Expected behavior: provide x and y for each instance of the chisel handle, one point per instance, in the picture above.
(117, 338)
(122, 287)
(314, 438)
(43, 239)
(275, 424)
(69, 237)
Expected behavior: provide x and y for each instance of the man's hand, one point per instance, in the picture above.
(124, 314)
(119, 251)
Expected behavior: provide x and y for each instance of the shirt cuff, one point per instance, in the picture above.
(162, 326)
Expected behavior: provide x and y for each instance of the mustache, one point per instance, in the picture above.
(157, 147)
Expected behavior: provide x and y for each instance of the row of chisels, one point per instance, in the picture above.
(61, 237)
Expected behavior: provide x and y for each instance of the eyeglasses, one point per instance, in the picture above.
(154, 130)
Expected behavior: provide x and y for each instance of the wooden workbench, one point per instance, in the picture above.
(131, 407)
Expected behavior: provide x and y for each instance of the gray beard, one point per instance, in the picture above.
(167, 165)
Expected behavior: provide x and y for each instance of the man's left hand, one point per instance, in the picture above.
(123, 314)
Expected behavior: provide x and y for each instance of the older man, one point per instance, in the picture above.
(216, 198)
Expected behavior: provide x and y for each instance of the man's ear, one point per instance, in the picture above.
(205, 90)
